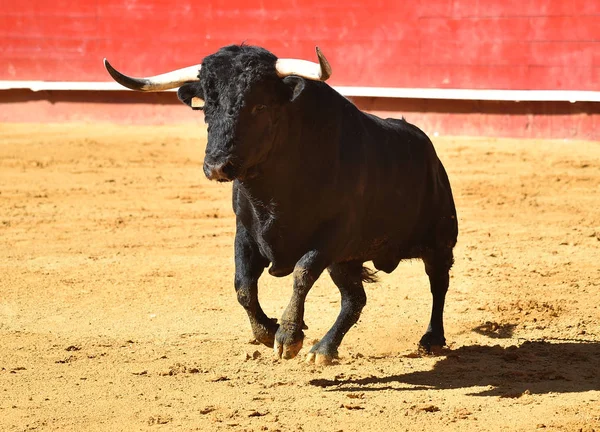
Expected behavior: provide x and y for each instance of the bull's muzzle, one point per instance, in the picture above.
(221, 171)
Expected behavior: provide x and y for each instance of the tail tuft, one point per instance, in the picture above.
(368, 276)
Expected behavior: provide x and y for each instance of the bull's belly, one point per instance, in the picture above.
(384, 252)
(385, 241)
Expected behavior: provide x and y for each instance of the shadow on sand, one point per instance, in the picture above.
(533, 367)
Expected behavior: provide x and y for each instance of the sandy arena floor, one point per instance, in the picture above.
(117, 307)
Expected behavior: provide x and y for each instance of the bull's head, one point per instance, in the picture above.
(243, 91)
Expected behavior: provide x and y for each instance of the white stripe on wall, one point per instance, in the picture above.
(382, 92)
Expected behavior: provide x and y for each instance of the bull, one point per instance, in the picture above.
(317, 184)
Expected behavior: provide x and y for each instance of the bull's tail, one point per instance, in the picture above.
(368, 276)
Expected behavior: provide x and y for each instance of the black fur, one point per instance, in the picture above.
(319, 184)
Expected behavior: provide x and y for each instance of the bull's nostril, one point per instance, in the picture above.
(227, 169)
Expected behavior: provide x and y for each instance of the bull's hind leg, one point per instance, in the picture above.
(249, 265)
(437, 266)
(348, 279)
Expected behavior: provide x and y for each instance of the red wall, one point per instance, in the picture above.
(499, 44)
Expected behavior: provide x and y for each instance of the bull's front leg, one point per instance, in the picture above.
(249, 265)
(289, 337)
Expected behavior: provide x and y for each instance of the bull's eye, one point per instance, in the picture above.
(258, 108)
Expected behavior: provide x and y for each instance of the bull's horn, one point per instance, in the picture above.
(306, 69)
(165, 81)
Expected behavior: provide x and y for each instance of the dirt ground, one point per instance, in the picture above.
(117, 307)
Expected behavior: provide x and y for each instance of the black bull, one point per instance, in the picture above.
(319, 184)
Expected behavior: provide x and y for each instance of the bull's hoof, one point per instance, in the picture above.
(321, 355)
(265, 332)
(288, 343)
(287, 351)
(431, 343)
(319, 359)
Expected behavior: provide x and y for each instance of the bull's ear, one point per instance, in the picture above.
(192, 95)
(296, 85)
